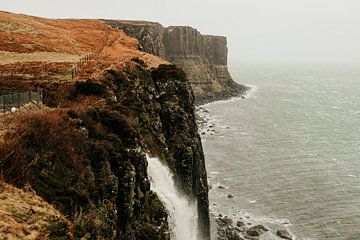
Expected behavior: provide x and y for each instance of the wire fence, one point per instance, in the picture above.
(19, 100)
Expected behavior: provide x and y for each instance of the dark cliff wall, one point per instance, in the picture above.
(203, 57)
(89, 160)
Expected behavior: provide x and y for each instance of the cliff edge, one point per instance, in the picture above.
(203, 57)
(106, 105)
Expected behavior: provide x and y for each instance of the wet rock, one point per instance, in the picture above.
(225, 221)
(251, 238)
(240, 224)
(284, 234)
(257, 230)
(254, 232)
(235, 236)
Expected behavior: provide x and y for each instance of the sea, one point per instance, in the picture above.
(289, 152)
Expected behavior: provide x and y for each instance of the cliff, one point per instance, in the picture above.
(84, 152)
(203, 57)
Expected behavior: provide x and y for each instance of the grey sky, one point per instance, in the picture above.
(257, 30)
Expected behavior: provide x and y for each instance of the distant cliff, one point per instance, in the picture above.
(203, 57)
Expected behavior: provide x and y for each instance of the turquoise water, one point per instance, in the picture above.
(290, 152)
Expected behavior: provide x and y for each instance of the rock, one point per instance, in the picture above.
(257, 230)
(235, 236)
(221, 187)
(230, 196)
(225, 221)
(240, 224)
(176, 43)
(284, 234)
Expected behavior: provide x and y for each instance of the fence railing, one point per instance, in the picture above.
(19, 100)
(78, 66)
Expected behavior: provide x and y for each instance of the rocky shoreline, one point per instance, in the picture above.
(238, 226)
(235, 90)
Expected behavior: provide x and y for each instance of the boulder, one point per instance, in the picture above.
(235, 236)
(256, 231)
(240, 224)
(225, 221)
(284, 234)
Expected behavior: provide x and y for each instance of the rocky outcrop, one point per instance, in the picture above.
(203, 57)
(284, 234)
(90, 161)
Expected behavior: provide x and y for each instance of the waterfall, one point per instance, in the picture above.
(183, 219)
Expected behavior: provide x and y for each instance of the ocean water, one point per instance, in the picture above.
(290, 152)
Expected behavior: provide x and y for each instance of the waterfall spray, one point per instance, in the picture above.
(183, 219)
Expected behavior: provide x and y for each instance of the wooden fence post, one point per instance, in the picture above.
(12, 100)
(18, 95)
(3, 99)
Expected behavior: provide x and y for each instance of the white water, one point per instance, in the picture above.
(183, 218)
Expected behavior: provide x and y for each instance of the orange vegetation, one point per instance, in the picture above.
(24, 215)
(51, 43)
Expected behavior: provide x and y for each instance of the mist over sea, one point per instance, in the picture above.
(290, 152)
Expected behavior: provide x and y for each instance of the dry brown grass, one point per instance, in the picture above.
(28, 40)
(13, 57)
(24, 215)
(30, 141)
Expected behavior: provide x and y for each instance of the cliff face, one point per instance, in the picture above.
(203, 57)
(90, 163)
(107, 105)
